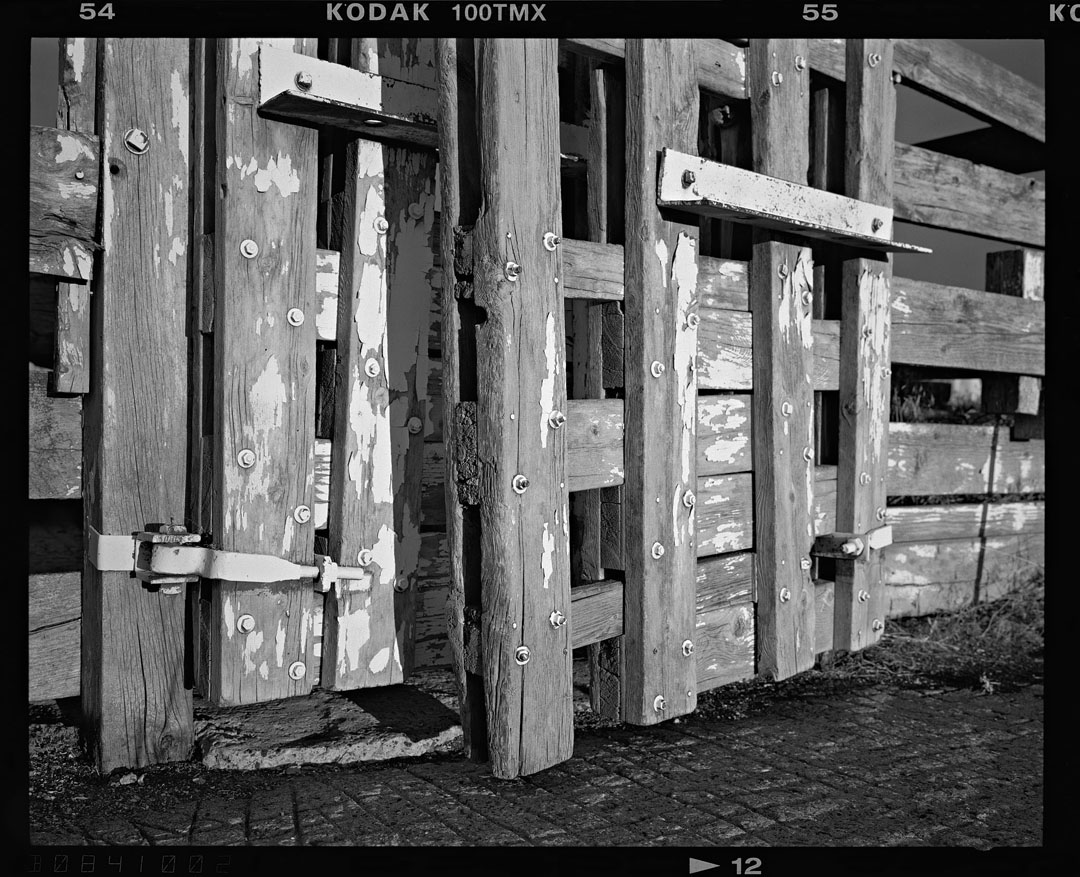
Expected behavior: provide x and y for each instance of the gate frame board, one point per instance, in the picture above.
(525, 557)
(656, 675)
(136, 707)
(264, 382)
(865, 320)
(780, 284)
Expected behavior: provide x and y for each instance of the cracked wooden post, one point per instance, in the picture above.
(864, 347)
(781, 283)
(136, 708)
(264, 382)
(658, 678)
(521, 384)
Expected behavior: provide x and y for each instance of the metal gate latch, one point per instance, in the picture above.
(849, 546)
(171, 557)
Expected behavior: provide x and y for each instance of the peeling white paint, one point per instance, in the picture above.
(381, 659)
(662, 257)
(684, 274)
(229, 617)
(547, 385)
(76, 51)
(279, 644)
(547, 559)
(252, 643)
(180, 112)
(72, 148)
(383, 553)
(354, 630)
(278, 172)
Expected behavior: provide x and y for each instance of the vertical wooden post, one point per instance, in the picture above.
(781, 282)
(75, 112)
(459, 161)
(136, 708)
(264, 392)
(1018, 273)
(658, 675)
(864, 348)
(521, 384)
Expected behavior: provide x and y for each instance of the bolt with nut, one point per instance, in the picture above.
(245, 623)
(520, 484)
(246, 458)
(688, 178)
(137, 141)
(303, 80)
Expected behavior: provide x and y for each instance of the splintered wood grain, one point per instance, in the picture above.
(1016, 274)
(264, 381)
(781, 283)
(864, 346)
(53, 655)
(55, 442)
(660, 344)
(136, 707)
(521, 367)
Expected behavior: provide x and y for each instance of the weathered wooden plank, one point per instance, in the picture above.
(596, 612)
(264, 387)
(943, 458)
(723, 434)
(995, 146)
(724, 646)
(724, 580)
(65, 172)
(593, 270)
(55, 442)
(781, 283)
(824, 614)
(594, 443)
(660, 308)
(314, 92)
(942, 191)
(1017, 274)
(525, 562)
(725, 514)
(54, 620)
(929, 523)
(136, 707)
(864, 347)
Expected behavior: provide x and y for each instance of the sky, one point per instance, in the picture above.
(958, 260)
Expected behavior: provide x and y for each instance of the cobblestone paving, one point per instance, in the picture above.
(875, 767)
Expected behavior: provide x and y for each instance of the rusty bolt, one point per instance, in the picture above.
(805, 563)
(520, 484)
(877, 625)
(876, 223)
(297, 670)
(800, 62)
(303, 80)
(657, 368)
(687, 648)
(295, 317)
(551, 241)
(785, 595)
(556, 419)
(688, 178)
(557, 619)
(372, 368)
(415, 425)
(777, 77)
(873, 59)
(786, 409)
(657, 550)
(249, 249)
(245, 623)
(863, 596)
(521, 655)
(301, 514)
(381, 225)
(246, 458)
(659, 704)
(364, 557)
(136, 141)
(688, 499)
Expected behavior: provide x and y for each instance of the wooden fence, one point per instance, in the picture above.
(550, 387)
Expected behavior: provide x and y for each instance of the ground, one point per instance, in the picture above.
(932, 737)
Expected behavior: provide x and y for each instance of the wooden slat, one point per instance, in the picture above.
(1017, 274)
(525, 562)
(593, 270)
(946, 192)
(725, 514)
(995, 146)
(264, 383)
(55, 609)
(947, 458)
(134, 700)
(660, 392)
(594, 443)
(927, 523)
(596, 612)
(724, 646)
(76, 112)
(864, 347)
(55, 442)
(781, 279)
(725, 580)
(723, 434)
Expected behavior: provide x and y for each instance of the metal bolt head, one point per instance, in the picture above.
(301, 514)
(136, 141)
(551, 241)
(295, 317)
(521, 655)
(556, 419)
(807, 297)
(877, 625)
(688, 178)
(688, 499)
(864, 478)
(372, 368)
(415, 425)
(863, 596)
(880, 514)
(657, 550)
(805, 563)
(245, 623)
(873, 59)
(303, 80)
(808, 454)
(249, 249)
(659, 704)
(897, 78)
(557, 619)
(381, 225)
(79, 175)
(692, 320)
(876, 223)
(246, 458)
(402, 584)
(657, 368)
(785, 595)
(782, 269)
(800, 62)
(786, 409)
(364, 557)
(687, 648)
(777, 77)
(297, 670)
(511, 271)
(520, 484)
(852, 547)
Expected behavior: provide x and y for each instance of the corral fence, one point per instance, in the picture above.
(368, 356)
